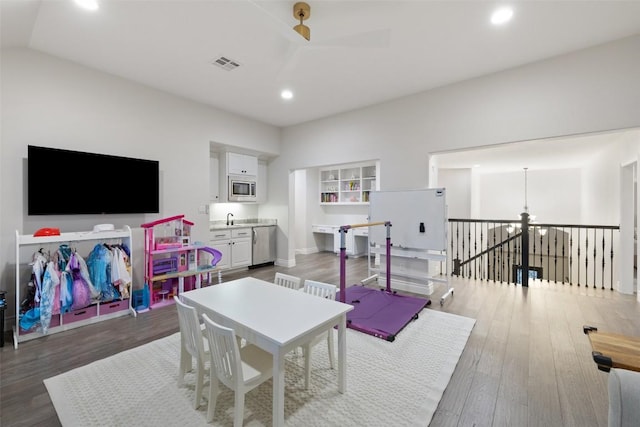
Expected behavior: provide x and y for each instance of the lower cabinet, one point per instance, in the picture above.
(234, 244)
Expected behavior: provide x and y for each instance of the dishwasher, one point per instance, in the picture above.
(264, 245)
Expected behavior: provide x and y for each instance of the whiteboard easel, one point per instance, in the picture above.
(419, 230)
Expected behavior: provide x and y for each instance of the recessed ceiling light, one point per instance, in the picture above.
(501, 16)
(286, 94)
(88, 4)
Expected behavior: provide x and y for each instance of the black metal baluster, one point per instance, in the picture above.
(611, 281)
(508, 257)
(481, 264)
(501, 253)
(578, 257)
(602, 272)
(541, 254)
(467, 248)
(477, 271)
(547, 233)
(586, 258)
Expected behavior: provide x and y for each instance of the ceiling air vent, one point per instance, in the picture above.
(226, 63)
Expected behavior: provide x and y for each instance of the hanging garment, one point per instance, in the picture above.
(66, 291)
(81, 292)
(63, 255)
(50, 281)
(99, 265)
(119, 272)
(56, 298)
(39, 264)
(84, 272)
(30, 319)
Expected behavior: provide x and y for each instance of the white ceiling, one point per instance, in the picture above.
(361, 52)
(554, 153)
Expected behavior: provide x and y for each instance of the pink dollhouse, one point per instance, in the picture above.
(173, 262)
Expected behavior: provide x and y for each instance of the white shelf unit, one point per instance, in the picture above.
(97, 312)
(348, 184)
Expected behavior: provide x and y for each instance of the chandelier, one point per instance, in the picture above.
(532, 218)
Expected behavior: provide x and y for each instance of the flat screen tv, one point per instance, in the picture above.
(65, 182)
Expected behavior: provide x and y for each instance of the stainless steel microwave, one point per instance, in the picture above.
(242, 188)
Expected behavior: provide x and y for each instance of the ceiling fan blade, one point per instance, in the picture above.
(276, 22)
(368, 39)
(289, 62)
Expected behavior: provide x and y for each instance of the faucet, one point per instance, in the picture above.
(229, 214)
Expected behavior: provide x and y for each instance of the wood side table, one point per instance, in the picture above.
(613, 350)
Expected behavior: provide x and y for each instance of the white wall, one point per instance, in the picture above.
(52, 102)
(301, 204)
(457, 183)
(587, 91)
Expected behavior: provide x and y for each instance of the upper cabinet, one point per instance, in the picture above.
(242, 164)
(214, 179)
(348, 184)
(236, 178)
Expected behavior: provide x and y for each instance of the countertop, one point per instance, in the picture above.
(241, 223)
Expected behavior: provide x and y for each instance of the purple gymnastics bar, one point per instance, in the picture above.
(381, 313)
(343, 253)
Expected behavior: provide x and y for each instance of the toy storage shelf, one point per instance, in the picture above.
(94, 313)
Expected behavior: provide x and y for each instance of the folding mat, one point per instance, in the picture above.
(381, 313)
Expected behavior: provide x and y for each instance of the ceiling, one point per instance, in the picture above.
(554, 153)
(361, 52)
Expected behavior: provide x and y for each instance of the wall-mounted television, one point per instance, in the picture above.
(65, 182)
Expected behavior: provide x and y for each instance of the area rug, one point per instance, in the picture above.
(388, 383)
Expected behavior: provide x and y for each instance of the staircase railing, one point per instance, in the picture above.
(582, 255)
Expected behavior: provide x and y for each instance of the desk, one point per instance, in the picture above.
(613, 350)
(328, 238)
(275, 319)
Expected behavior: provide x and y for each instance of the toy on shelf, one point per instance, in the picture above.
(172, 261)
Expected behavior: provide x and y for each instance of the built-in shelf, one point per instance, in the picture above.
(348, 184)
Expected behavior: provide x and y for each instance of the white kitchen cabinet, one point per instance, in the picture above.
(214, 179)
(261, 182)
(220, 240)
(242, 164)
(235, 246)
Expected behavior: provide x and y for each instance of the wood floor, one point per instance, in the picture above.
(527, 361)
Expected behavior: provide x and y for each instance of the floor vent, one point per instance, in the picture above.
(226, 63)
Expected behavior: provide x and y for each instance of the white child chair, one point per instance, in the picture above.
(191, 347)
(240, 369)
(286, 280)
(322, 290)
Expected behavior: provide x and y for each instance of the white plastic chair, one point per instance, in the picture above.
(286, 280)
(240, 369)
(191, 347)
(322, 290)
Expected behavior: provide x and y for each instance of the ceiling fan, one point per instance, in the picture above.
(302, 11)
(300, 38)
